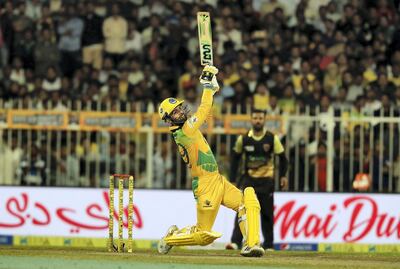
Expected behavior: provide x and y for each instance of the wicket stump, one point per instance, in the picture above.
(120, 246)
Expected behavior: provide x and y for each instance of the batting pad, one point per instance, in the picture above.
(253, 217)
(201, 238)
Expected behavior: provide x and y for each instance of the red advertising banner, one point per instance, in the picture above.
(299, 217)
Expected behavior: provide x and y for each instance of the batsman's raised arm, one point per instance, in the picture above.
(210, 86)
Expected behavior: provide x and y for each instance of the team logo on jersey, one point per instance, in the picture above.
(192, 121)
(207, 203)
(266, 147)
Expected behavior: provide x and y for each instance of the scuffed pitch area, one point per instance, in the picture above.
(76, 258)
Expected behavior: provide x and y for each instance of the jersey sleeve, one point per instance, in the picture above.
(278, 147)
(194, 122)
(238, 148)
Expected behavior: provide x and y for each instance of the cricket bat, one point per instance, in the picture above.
(205, 42)
(205, 38)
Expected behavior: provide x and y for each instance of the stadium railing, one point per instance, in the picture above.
(80, 144)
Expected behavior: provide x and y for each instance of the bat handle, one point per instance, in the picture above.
(207, 75)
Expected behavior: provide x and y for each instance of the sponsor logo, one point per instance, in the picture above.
(207, 52)
(172, 100)
(296, 246)
(6, 240)
(249, 148)
(365, 219)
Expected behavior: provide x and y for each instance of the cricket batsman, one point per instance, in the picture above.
(210, 188)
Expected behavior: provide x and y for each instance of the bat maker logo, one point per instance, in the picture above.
(206, 51)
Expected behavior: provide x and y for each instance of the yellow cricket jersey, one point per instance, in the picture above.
(192, 145)
(265, 170)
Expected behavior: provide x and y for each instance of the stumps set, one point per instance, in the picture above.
(121, 179)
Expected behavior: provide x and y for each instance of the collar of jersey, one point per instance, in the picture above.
(251, 134)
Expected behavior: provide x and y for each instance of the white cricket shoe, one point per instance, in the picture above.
(162, 247)
(255, 251)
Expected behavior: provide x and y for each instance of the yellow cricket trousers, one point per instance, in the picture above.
(212, 191)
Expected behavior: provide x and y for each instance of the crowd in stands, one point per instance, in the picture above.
(272, 53)
(278, 55)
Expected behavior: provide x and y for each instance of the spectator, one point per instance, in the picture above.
(261, 97)
(252, 80)
(67, 167)
(20, 22)
(92, 37)
(33, 10)
(126, 7)
(115, 31)
(32, 171)
(107, 70)
(188, 77)
(112, 81)
(133, 43)
(70, 30)
(24, 48)
(274, 109)
(372, 102)
(241, 99)
(46, 53)
(136, 75)
(3, 48)
(163, 175)
(52, 82)
(18, 72)
(66, 87)
(7, 34)
(10, 158)
(383, 86)
(46, 20)
(287, 102)
(355, 89)
(123, 85)
(318, 163)
(155, 24)
(397, 97)
(229, 32)
(332, 79)
(191, 98)
(394, 74)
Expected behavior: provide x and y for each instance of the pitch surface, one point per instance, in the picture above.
(76, 258)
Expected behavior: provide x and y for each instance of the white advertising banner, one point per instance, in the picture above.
(299, 217)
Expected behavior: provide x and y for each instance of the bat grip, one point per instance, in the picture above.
(207, 75)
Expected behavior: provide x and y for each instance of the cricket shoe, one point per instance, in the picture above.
(254, 251)
(162, 246)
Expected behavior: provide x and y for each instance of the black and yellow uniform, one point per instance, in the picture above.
(258, 154)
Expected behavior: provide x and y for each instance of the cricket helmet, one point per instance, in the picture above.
(167, 106)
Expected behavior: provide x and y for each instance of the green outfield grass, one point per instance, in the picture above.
(77, 258)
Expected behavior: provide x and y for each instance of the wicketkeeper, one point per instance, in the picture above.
(210, 188)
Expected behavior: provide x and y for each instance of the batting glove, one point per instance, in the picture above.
(208, 78)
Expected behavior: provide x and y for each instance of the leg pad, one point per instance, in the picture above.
(253, 217)
(191, 237)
